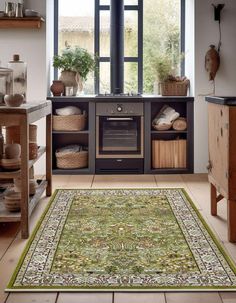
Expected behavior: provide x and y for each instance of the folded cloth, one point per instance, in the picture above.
(165, 118)
(68, 110)
(74, 148)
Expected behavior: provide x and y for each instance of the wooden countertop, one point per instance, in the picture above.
(25, 108)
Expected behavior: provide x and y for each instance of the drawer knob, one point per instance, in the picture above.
(209, 166)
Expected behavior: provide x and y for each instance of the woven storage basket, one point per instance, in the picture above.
(174, 88)
(13, 134)
(72, 160)
(69, 123)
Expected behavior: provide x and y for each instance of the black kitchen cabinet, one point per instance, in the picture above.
(183, 105)
(85, 137)
(152, 105)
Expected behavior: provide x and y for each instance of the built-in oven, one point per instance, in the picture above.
(119, 137)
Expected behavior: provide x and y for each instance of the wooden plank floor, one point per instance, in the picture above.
(11, 245)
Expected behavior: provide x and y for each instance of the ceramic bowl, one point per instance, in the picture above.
(12, 201)
(10, 164)
(31, 13)
(14, 100)
(12, 151)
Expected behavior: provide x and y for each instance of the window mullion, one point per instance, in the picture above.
(97, 44)
(140, 46)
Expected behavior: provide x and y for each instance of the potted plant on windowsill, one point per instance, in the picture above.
(75, 64)
(169, 84)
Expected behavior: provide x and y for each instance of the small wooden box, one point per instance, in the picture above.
(169, 153)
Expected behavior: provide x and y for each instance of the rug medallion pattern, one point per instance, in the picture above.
(122, 239)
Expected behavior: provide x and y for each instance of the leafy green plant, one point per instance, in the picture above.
(162, 67)
(166, 68)
(75, 59)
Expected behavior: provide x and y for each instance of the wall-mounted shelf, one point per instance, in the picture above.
(25, 22)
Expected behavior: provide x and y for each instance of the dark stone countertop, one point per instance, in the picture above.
(223, 100)
(141, 98)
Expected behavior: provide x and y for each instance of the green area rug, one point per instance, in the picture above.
(151, 239)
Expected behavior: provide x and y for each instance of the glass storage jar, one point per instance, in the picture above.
(6, 82)
(19, 75)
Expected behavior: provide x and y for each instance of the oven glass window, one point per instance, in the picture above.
(119, 135)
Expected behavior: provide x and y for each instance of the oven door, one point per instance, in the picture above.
(119, 137)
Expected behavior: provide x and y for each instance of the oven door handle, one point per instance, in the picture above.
(120, 119)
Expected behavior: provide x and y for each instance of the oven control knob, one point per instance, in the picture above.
(119, 108)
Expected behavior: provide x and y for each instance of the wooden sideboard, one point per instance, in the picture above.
(222, 157)
(23, 116)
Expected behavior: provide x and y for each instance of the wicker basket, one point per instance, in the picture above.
(13, 134)
(72, 160)
(69, 123)
(174, 88)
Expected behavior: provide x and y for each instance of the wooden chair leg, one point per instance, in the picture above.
(232, 220)
(213, 201)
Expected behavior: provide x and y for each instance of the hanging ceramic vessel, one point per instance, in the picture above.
(212, 62)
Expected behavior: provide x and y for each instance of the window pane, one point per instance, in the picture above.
(104, 75)
(76, 28)
(105, 2)
(104, 33)
(131, 34)
(76, 24)
(131, 2)
(126, 2)
(161, 39)
(131, 77)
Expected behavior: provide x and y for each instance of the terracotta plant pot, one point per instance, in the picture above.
(70, 79)
(57, 88)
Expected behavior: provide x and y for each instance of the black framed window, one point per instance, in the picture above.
(151, 28)
(133, 17)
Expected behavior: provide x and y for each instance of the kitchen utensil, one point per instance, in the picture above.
(10, 9)
(19, 10)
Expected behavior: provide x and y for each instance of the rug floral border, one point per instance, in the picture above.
(12, 288)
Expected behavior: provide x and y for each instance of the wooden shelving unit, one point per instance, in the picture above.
(7, 216)
(25, 22)
(23, 116)
(17, 173)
